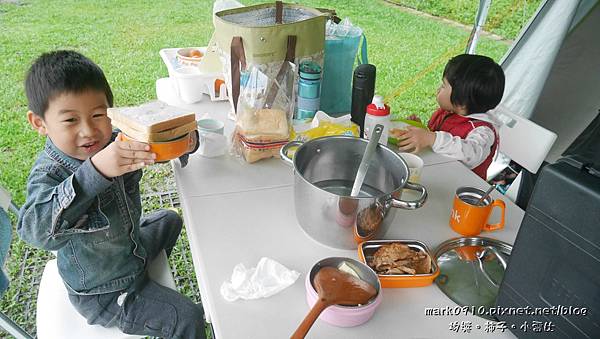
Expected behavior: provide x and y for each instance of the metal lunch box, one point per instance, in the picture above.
(367, 249)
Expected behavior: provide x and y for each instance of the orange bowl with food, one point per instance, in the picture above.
(166, 150)
(190, 56)
(399, 263)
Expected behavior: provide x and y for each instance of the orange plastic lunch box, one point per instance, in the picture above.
(368, 248)
(166, 150)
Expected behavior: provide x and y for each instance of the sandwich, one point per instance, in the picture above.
(165, 128)
(152, 122)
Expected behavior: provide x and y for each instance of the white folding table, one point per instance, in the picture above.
(237, 213)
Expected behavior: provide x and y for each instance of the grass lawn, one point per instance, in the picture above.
(505, 17)
(124, 38)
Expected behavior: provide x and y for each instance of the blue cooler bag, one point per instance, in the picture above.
(341, 46)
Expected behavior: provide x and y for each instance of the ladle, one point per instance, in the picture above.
(366, 160)
(335, 287)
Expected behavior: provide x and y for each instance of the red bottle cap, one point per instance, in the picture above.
(378, 108)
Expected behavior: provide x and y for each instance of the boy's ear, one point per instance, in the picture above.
(37, 123)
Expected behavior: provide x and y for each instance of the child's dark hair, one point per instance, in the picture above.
(477, 82)
(58, 72)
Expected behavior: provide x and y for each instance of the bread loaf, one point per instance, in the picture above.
(253, 151)
(265, 123)
(260, 134)
(253, 155)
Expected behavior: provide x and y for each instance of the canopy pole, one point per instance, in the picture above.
(482, 12)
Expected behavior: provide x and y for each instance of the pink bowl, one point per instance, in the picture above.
(342, 316)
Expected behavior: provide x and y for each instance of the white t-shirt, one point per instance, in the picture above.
(473, 149)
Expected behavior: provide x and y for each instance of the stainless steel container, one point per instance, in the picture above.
(324, 171)
(366, 254)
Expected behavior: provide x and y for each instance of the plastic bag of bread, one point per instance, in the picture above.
(263, 114)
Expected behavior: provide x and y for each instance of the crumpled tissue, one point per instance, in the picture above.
(267, 278)
(320, 116)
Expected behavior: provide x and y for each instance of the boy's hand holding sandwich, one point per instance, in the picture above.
(121, 157)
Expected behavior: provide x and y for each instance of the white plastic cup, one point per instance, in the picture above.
(189, 84)
(211, 144)
(212, 141)
(211, 126)
(415, 166)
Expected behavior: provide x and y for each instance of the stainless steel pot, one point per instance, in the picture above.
(324, 171)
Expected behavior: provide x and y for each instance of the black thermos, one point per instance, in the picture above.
(363, 89)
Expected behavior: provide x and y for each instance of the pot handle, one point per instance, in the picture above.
(499, 256)
(283, 151)
(412, 204)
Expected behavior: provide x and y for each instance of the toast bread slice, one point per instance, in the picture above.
(149, 118)
(166, 135)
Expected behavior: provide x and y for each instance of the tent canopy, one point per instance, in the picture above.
(553, 70)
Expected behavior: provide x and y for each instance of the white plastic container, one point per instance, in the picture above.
(378, 113)
(189, 84)
(192, 80)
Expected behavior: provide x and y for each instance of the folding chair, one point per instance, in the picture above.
(523, 141)
(7, 205)
(55, 316)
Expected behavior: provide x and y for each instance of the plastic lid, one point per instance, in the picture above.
(309, 70)
(471, 270)
(378, 107)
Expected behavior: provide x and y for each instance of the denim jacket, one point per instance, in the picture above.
(91, 221)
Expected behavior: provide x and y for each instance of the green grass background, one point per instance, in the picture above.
(124, 38)
(505, 17)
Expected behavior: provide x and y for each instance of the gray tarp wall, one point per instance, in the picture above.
(553, 69)
(570, 98)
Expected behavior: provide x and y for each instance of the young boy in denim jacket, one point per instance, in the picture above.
(83, 201)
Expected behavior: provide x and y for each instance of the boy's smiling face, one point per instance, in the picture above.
(76, 123)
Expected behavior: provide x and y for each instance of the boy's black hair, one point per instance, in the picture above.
(58, 72)
(477, 82)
